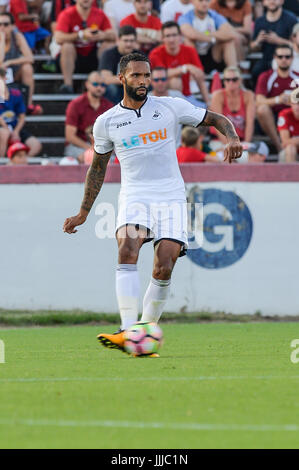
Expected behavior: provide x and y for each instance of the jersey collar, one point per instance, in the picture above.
(137, 111)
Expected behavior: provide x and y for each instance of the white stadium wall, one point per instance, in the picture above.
(249, 260)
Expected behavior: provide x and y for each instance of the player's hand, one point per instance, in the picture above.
(261, 37)
(233, 150)
(72, 222)
(284, 98)
(272, 38)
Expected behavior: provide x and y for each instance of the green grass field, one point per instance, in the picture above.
(215, 386)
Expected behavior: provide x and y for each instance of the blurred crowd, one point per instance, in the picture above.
(200, 50)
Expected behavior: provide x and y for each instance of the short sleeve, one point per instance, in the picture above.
(187, 18)
(156, 59)
(72, 114)
(105, 22)
(63, 22)
(261, 87)
(187, 113)
(102, 144)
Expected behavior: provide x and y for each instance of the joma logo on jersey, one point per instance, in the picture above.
(121, 124)
(145, 138)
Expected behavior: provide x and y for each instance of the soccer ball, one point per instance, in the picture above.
(143, 339)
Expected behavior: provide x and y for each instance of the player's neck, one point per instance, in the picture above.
(141, 18)
(156, 93)
(83, 12)
(273, 15)
(283, 73)
(131, 103)
(173, 51)
(93, 101)
(200, 14)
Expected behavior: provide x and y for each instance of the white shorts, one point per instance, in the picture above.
(167, 220)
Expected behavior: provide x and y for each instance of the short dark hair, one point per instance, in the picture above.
(126, 30)
(158, 69)
(133, 57)
(283, 46)
(9, 15)
(2, 72)
(171, 24)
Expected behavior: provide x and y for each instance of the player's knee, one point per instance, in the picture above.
(291, 153)
(162, 271)
(127, 254)
(262, 110)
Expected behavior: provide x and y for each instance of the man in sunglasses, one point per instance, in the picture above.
(273, 92)
(82, 112)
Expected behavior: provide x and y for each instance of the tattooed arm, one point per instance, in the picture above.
(93, 183)
(233, 149)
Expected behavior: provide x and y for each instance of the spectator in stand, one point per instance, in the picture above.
(181, 62)
(16, 57)
(211, 34)
(18, 154)
(117, 10)
(82, 112)
(295, 45)
(4, 4)
(272, 29)
(148, 27)
(239, 14)
(79, 29)
(160, 87)
(12, 120)
(171, 10)
(235, 103)
(190, 151)
(288, 127)
(28, 23)
(273, 92)
(109, 62)
(257, 152)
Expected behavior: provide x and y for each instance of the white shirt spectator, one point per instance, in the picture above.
(116, 10)
(171, 10)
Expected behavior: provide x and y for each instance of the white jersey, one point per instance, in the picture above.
(144, 141)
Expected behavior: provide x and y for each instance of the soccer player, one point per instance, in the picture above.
(152, 201)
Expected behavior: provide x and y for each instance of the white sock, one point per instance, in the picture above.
(127, 292)
(155, 299)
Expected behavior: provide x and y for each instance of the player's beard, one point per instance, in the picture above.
(132, 92)
(284, 69)
(275, 9)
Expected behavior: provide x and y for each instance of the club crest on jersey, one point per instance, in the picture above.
(145, 138)
(157, 115)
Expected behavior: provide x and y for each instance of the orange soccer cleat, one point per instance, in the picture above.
(114, 341)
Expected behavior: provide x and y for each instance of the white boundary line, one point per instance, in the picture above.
(153, 425)
(138, 379)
